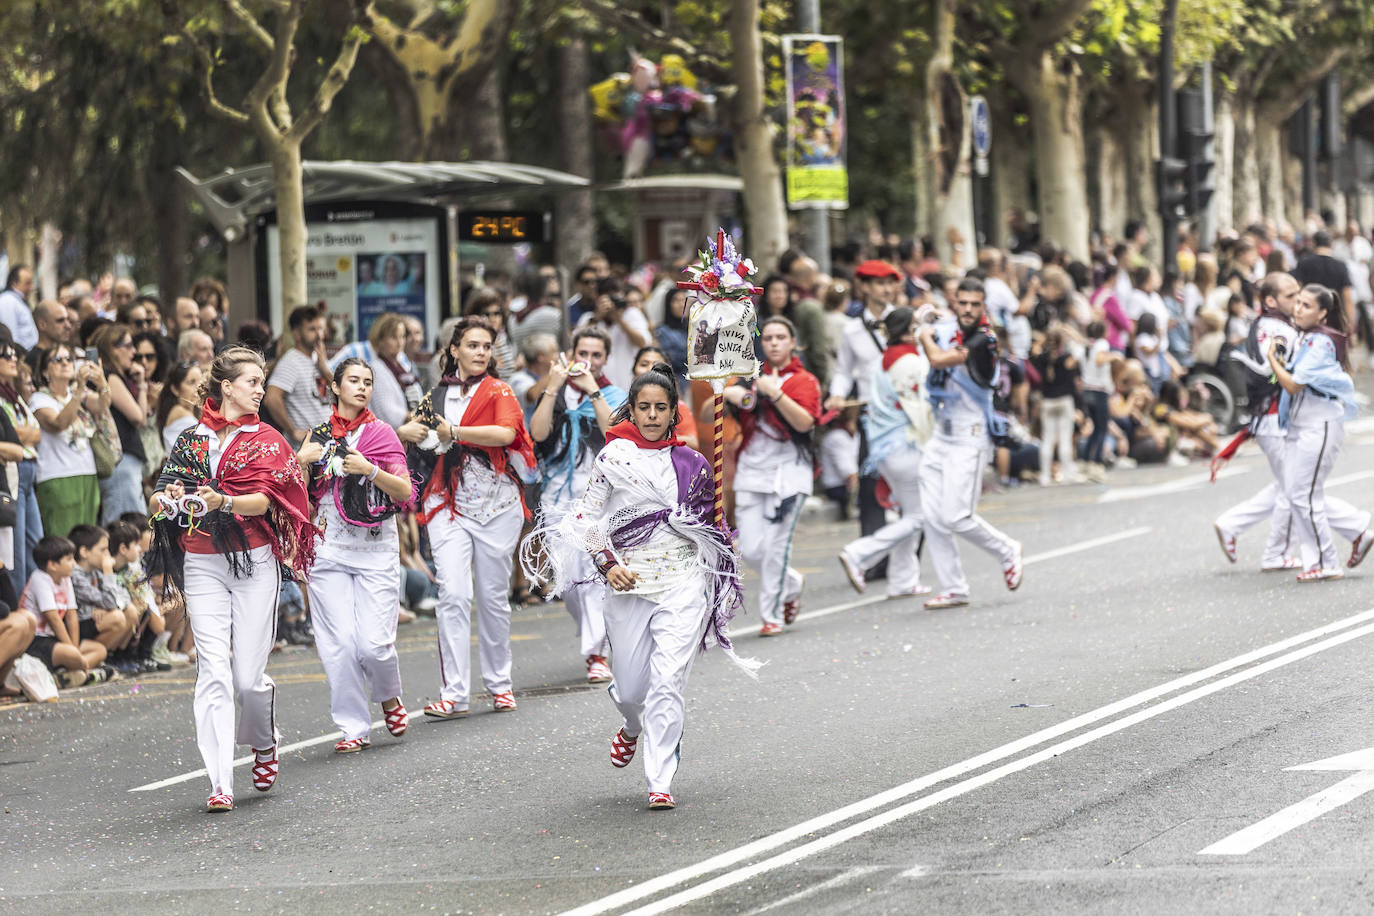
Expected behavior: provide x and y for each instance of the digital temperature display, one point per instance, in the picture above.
(502, 227)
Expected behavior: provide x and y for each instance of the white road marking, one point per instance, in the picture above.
(1348, 478)
(837, 881)
(1036, 558)
(807, 828)
(243, 761)
(915, 871)
(1122, 494)
(1314, 806)
(1087, 545)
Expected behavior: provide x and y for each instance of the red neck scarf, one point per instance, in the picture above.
(896, 352)
(339, 427)
(626, 429)
(463, 383)
(211, 417)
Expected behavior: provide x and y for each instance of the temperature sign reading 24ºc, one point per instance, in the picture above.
(502, 227)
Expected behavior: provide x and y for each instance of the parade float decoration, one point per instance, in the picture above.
(720, 333)
(659, 112)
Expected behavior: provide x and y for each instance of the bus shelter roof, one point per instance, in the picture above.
(232, 197)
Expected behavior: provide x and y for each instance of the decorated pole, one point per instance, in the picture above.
(720, 335)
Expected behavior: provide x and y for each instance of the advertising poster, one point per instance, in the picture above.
(816, 124)
(361, 269)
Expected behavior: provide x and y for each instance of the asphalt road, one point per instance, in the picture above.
(1071, 747)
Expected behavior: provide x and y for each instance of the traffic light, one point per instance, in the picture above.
(1170, 179)
(1202, 183)
(1195, 145)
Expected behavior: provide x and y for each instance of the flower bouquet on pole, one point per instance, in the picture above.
(720, 333)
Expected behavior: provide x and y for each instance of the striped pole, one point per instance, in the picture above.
(718, 450)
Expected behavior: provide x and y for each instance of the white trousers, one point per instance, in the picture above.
(765, 544)
(951, 482)
(1056, 428)
(898, 540)
(354, 614)
(234, 623)
(586, 604)
(655, 641)
(1311, 453)
(471, 557)
(1271, 504)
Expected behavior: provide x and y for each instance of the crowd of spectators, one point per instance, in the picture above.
(1098, 363)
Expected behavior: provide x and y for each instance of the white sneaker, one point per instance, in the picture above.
(1126, 462)
(855, 574)
(948, 599)
(598, 672)
(161, 654)
(426, 605)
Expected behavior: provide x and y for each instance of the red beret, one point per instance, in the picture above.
(872, 270)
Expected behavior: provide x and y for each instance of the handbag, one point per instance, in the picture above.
(105, 446)
(9, 506)
(33, 679)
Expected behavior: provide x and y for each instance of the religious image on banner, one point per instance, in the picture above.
(720, 326)
(816, 124)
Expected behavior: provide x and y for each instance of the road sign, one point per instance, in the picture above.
(1310, 808)
(981, 119)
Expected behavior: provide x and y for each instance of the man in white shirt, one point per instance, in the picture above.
(297, 393)
(1003, 306)
(862, 343)
(952, 462)
(860, 353)
(15, 313)
(626, 325)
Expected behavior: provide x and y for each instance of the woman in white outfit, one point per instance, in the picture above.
(897, 421)
(396, 392)
(1318, 398)
(471, 448)
(646, 522)
(358, 477)
(230, 510)
(775, 470)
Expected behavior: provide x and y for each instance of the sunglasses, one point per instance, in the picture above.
(60, 359)
(145, 323)
(124, 345)
(146, 357)
(8, 354)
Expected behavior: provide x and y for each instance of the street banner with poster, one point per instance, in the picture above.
(359, 268)
(817, 177)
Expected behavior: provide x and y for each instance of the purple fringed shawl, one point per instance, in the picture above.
(696, 494)
(378, 443)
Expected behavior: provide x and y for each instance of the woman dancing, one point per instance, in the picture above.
(358, 476)
(230, 510)
(470, 446)
(646, 521)
(773, 475)
(1317, 400)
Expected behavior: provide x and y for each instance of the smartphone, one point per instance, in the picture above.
(92, 355)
